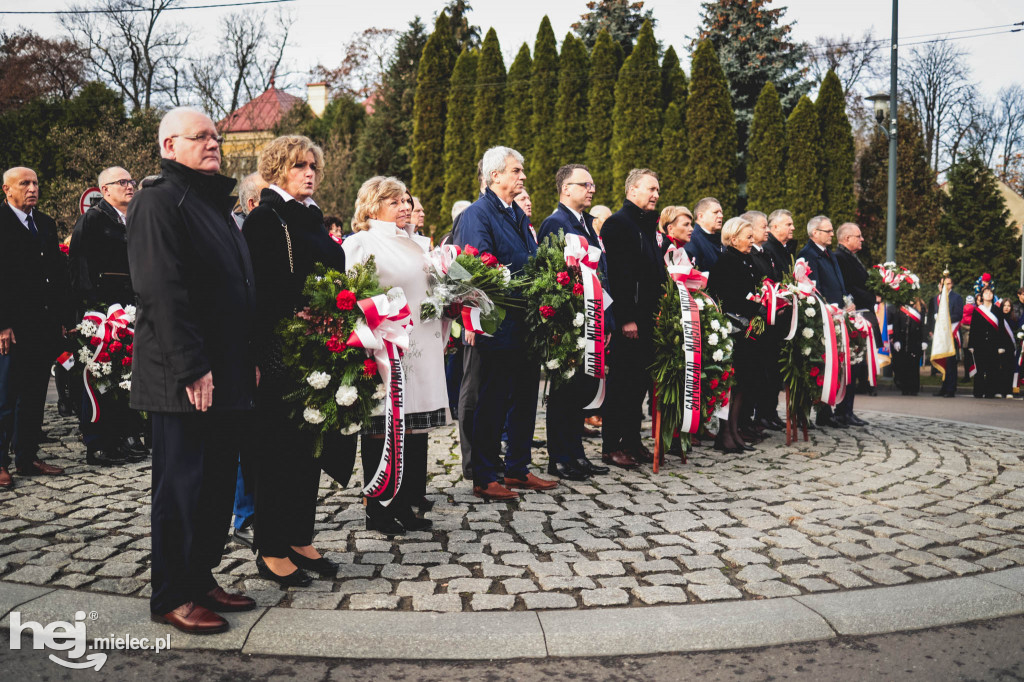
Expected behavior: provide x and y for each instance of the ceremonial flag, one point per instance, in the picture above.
(943, 345)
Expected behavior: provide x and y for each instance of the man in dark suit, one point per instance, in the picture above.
(956, 316)
(496, 224)
(780, 242)
(98, 258)
(765, 405)
(855, 277)
(829, 281)
(706, 241)
(193, 281)
(565, 404)
(34, 306)
(636, 275)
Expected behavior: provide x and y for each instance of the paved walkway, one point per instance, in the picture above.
(907, 501)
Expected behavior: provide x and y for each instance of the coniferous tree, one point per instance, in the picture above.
(636, 138)
(672, 163)
(542, 163)
(429, 113)
(519, 104)
(604, 70)
(711, 131)
(837, 156)
(572, 101)
(622, 19)
(673, 81)
(488, 123)
(766, 154)
(459, 148)
(803, 174)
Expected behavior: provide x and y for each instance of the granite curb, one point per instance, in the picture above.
(542, 634)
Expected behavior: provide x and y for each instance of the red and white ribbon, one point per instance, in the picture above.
(989, 316)
(688, 281)
(107, 328)
(772, 298)
(804, 288)
(862, 325)
(579, 252)
(844, 354)
(912, 313)
(385, 336)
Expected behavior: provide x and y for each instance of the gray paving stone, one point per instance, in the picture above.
(606, 596)
(771, 588)
(519, 585)
(713, 592)
(660, 594)
(437, 602)
(595, 568)
(535, 601)
(492, 602)
(757, 573)
(373, 602)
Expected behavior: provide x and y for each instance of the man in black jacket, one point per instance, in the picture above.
(194, 286)
(98, 259)
(855, 277)
(636, 275)
(780, 242)
(34, 306)
(766, 402)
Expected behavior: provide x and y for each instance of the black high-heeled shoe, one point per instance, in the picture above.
(322, 566)
(298, 578)
(385, 524)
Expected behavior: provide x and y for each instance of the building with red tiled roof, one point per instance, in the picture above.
(260, 114)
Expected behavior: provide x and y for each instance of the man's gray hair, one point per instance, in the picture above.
(104, 176)
(815, 222)
(751, 216)
(704, 204)
(458, 207)
(777, 214)
(493, 161)
(249, 188)
(169, 123)
(636, 175)
(844, 230)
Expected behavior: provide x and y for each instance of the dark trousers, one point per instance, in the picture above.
(986, 380)
(414, 475)
(469, 389)
(768, 399)
(629, 379)
(115, 422)
(453, 371)
(565, 418)
(24, 378)
(507, 380)
(195, 460)
(858, 371)
(906, 372)
(949, 382)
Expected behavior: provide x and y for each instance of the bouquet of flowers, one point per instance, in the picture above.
(469, 286)
(693, 374)
(565, 308)
(104, 355)
(339, 386)
(803, 358)
(896, 285)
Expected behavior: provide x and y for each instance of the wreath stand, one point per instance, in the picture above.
(793, 427)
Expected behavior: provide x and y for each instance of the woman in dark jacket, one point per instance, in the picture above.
(907, 350)
(731, 279)
(286, 238)
(986, 340)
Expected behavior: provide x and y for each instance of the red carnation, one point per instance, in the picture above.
(123, 333)
(547, 311)
(562, 278)
(820, 380)
(94, 341)
(335, 345)
(711, 400)
(815, 371)
(369, 367)
(116, 346)
(126, 362)
(725, 400)
(577, 289)
(346, 300)
(489, 259)
(471, 250)
(129, 348)
(104, 356)
(713, 383)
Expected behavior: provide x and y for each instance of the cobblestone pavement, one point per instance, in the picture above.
(908, 499)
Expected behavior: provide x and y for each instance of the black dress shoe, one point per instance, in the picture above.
(842, 419)
(854, 420)
(768, 424)
(134, 445)
(384, 524)
(409, 521)
(104, 458)
(591, 469)
(567, 472)
(322, 566)
(423, 504)
(775, 419)
(830, 422)
(298, 578)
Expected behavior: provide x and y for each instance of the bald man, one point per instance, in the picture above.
(34, 306)
(193, 370)
(600, 213)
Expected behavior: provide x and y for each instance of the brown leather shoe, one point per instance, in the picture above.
(495, 491)
(39, 467)
(531, 482)
(619, 458)
(594, 421)
(5, 478)
(641, 454)
(218, 599)
(591, 433)
(192, 618)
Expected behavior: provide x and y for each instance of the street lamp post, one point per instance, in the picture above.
(890, 228)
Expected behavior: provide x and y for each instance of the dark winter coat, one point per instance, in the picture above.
(825, 272)
(704, 249)
(99, 259)
(636, 268)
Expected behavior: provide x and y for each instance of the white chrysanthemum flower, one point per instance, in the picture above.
(130, 312)
(380, 392)
(552, 364)
(379, 410)
(87, 328)
(93, 368)
(579, 320)
(350, 429)
(313, 415)
(106, 367)
(728, 345)
(713, 339)
(716, 325)
(318, 380)
(700, 303)
(84, 355)
(729, 328)
(125, 385)
(717, 355)
(581, 343)
(807, 350)
(346, 395)
(808, 332)
(810, 312)
(569, 373)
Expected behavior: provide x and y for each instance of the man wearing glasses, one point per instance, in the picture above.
(98, 258)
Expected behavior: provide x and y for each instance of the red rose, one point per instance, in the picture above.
(489, 259)
(725, 400)
(577, 289)
(104, 356)
(820, 380)
(115, 346)
(123, 334)
(814, 371)
(711, 400)
(335, 345)
(547, 311)
(346, 300)
(369, 367)
(471, 250)
(713, 383)
(94, 341)
(562, 278)
(126, 362)
(129, 348)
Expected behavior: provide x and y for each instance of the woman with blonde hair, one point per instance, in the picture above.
(677, 221)
(382, 229)
(286, 238)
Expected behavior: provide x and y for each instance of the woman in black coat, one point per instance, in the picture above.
(286, 238)
(731, 279)
(987, 339)
(907, 349)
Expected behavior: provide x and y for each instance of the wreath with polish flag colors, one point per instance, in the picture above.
(467, 286)
(895, 284)
(103, 360)
(809, 361)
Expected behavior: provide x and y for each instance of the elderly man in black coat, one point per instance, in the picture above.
(193, 370)
(34, 305)
(855, 277)
(780, 242)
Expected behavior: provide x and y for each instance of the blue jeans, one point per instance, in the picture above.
(245, 504)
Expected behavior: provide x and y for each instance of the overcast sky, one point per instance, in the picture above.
(322, 27)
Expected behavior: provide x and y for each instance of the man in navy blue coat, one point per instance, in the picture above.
(497, 225)
(565, 404)
(705, 244)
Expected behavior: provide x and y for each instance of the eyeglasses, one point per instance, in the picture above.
(588, 185)
(203, 138)
(124, 182)
(826, 231)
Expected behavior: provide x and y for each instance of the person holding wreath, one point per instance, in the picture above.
(286, 238)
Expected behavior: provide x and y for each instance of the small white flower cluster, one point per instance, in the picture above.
(579, 320)
(807, 350)
(87, 328)
(126, 382)
(552, 363)
(84, 355)
(313, 415)
(380, 392)
(713, 339)
(346, 395)
(318, 380)
(581, 343)
(129, 313)
(506, 274)
(809, 311)
(699, 300)
(729, 328)
(715, 325)
(718, 355)
(350, 429)
(807, 332)
(568, 374)
(99, 368)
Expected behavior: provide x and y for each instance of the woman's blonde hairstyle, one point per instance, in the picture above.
(732, 228)
(372, 196)
(669, 214)
(281, 155)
